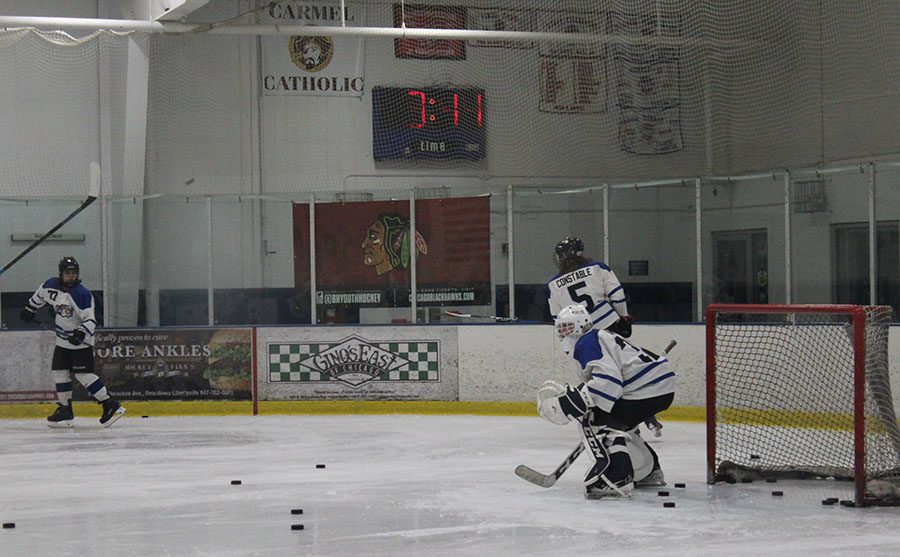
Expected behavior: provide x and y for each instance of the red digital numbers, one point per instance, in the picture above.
(444, 108)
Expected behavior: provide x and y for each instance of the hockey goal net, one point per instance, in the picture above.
(802, 391)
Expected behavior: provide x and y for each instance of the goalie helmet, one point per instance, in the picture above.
(68, 264)
(568, 248)
(571, 323)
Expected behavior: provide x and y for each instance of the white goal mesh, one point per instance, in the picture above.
(798, 391)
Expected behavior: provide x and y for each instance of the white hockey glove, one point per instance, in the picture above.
(560, 404)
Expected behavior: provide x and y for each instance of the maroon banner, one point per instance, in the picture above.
(430, 17)
(363, 252)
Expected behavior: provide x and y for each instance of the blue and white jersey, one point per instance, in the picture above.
(613, 369)
(74, 309)
(593, 285)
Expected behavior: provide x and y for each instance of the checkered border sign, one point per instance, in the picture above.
(420, 361)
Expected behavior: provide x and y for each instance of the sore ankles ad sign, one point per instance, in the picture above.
(173, 364)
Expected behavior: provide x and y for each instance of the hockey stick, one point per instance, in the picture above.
(493, 317)
(547, 480)
(92, 196)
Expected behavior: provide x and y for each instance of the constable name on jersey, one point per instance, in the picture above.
(573, 276)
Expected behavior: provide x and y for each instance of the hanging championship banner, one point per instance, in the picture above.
(646, 82)
(573, 75)
(364, 252)
(432, 17)
(500, 19)
(310, 64)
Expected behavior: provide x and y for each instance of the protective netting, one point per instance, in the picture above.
(610, 90)
(784, 398)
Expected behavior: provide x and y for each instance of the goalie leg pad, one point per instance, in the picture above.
(560, 404)
(614, 476)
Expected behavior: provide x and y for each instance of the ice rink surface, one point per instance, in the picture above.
(395, 485)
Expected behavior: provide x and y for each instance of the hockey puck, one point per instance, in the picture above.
(828, 501)
(662, 493)
(679, 485)
(777, 493)
(296, 511)
(296, 527)
(320, 466)
(833, 500)
(9, 524)
(669, 504)
(145, 416)
(848, 503)
(235, 482)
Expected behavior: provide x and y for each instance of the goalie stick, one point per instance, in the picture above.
(547, 480)
(493, 317)
(92, 196)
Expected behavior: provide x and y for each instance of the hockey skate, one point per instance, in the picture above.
(607, 489)
(112, 411)
(62, 416)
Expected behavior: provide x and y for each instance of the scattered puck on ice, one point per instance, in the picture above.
(296, 511)
(754, 457)
(746, 480)
(9, 524)
(833, 500)
(848, 503)
(296, 527)
(320, 466)
(679, 485)
(235, 482)
(662, 493)
(669, 504)
(145, 416)
(777, 493)
(828, 501)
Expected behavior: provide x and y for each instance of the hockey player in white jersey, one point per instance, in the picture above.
(590, 283)
(621, 386)
(74, 325)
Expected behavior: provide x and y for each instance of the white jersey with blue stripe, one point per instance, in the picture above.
(612, 368)
(74, 308)
(593, 285)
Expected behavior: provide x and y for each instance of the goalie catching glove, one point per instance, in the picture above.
(560, 404)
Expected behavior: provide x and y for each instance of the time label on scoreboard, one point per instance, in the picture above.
(435, 123)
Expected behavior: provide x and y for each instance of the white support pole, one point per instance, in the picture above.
(788, 278)
(313, 317)
(698, 228)
(606, 223)
(210, 286)
(873, 240)
(413, 306)
(511, 260)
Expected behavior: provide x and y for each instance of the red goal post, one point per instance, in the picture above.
(802, 391)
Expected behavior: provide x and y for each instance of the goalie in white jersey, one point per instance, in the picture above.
(622, 386)
(74, 325)
(590, 283)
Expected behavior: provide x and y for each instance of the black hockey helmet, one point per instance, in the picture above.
(68, 264)
(567, 248)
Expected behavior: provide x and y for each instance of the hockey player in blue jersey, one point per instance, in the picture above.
(590, 283)
(73, 304)
(621, 386)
